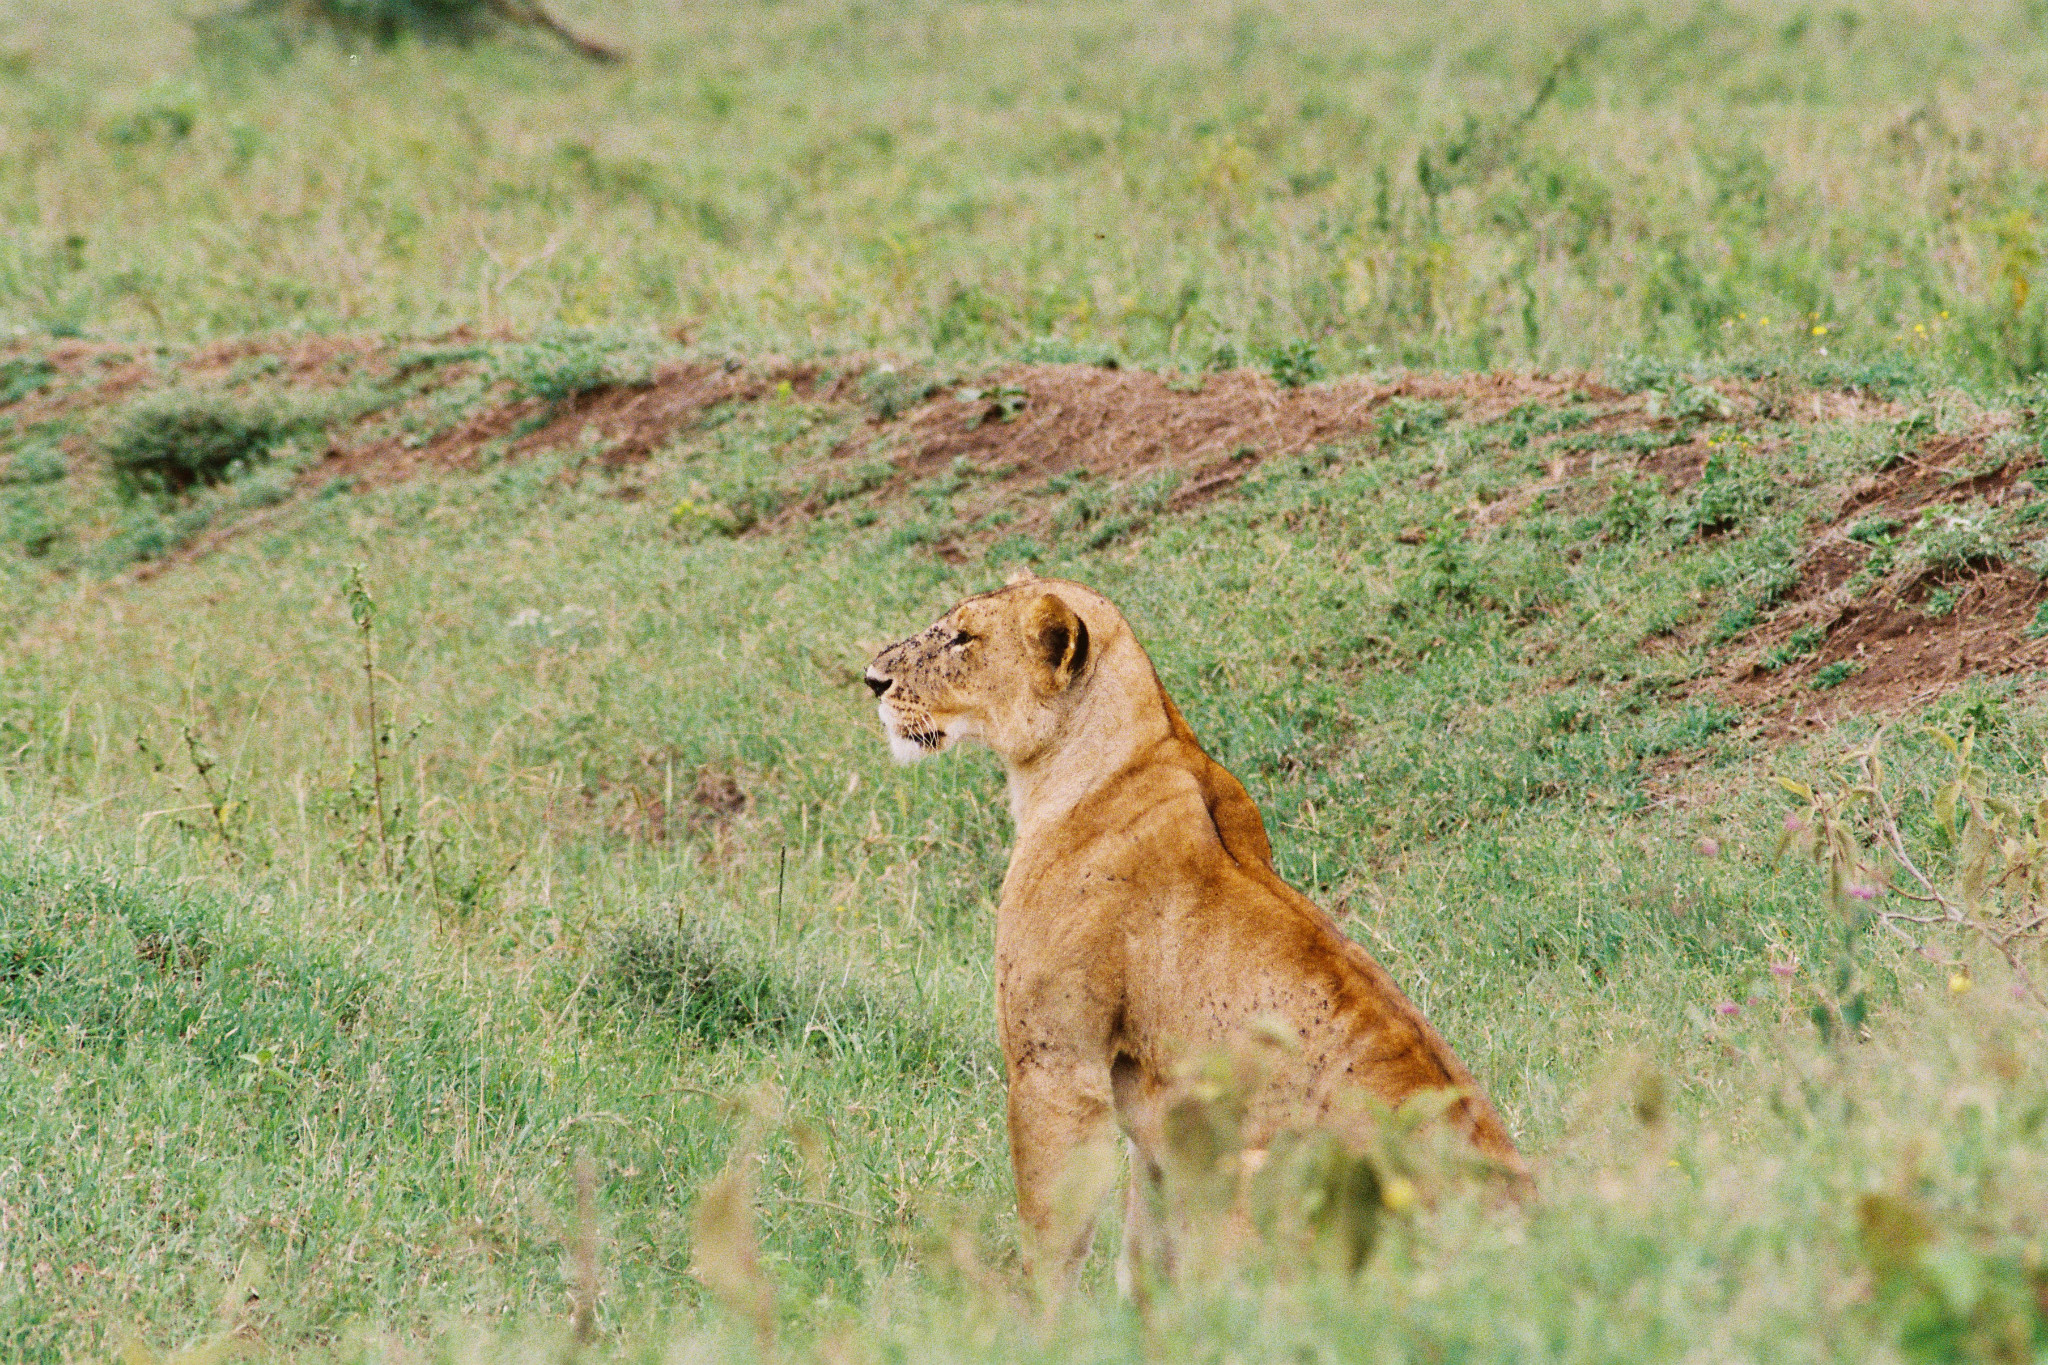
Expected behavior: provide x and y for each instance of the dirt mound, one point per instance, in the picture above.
(1056, 418)
(1926, 574)
(1163, 442)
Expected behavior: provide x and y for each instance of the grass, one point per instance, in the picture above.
(657, 906)
(649, 855)
(1313, 188)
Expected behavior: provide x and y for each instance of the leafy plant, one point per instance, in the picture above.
(170, 445)
(1630, 510)
(387, 21)
(1833, 675)
(27, 524)
(1993, 887)
(362, 610)
(561, 366)
(1295, 364)
(1874, 530)
(1797, 646)
(1726, 496)
(1957, 540)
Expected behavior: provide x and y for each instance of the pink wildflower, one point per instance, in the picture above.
(1727, 1007)
(1709, 847)
(1793, 822)
(1862, 892)
(1783, 969)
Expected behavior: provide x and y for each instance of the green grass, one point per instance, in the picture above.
(1308, 187)
(647, 853)
(330, 1005)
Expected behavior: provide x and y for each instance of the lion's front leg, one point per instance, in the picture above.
(1062, 1147)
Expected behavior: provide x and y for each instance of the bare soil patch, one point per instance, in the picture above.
(1122, 428)
(1890, 642)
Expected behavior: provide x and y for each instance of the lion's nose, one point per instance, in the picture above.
(878, 684)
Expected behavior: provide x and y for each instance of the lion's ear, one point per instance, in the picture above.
(1021, 574)
(1061, 637)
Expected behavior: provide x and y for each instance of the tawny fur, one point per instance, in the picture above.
(1141, 920)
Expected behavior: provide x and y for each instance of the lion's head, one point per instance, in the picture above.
(1003, 668)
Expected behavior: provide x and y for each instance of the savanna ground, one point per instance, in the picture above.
(1520, 437)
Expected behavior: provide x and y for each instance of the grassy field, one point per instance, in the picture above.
(581, 967)
(1464, 186)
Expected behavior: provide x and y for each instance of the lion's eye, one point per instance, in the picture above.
(960, 641)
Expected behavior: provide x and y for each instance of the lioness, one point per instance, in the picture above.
(1141, 919)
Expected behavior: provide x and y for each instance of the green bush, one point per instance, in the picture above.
(385, 22)
(1955, 540)
(170, 445)
(562, 366)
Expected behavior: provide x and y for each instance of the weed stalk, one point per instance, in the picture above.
(219, 801)
(362, 609)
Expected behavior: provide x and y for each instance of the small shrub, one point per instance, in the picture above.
(731, 509)
(1957, 540)
(1803, 642)
(1294, 365)
(1693, 403)
(264, 488)
(1889, 376)
(718, 992)
(1635, 373)
(1154, 494)
(852, 484)
(999, 404)
(165, 113)
(1449, 573)
(171, 445)
(1690, 728)
(1978, 705)
(388, 21)
(1763, 588)
(1874, 530)
(1833, 675)
(142, 536)
(568, 365)
(1630, 510)
(1725, 497)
